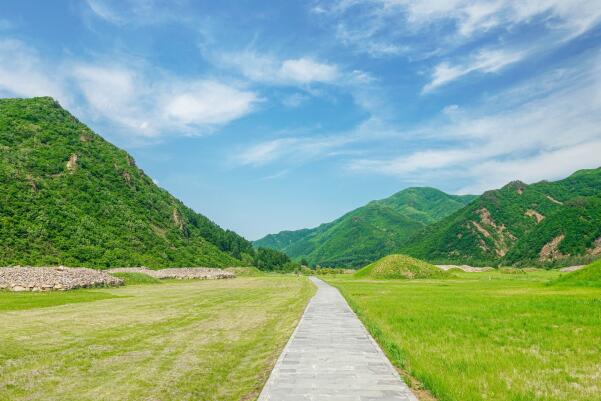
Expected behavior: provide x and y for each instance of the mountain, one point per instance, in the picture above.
(69, 197)
(369, 232)
(545, 223)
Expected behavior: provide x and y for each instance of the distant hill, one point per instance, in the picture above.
(544, 223)
(69, 197)
(369, 232)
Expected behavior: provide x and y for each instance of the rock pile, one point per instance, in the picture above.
(53, 278)
(204, 273)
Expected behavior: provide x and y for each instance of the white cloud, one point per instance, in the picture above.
(131, 99)
(273, 70)
(22, 73)
(546, 136)
(485, 61)
(390, 25)
(136, 99)
(105, 11)
(305, 70)
(292, 149)
(209, 102)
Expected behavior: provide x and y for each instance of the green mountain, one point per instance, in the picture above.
(545, 223)
(69, 197)
(369, 232)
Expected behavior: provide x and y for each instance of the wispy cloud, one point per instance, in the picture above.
(136, 99)
(270, 69)
(153, 107)
(22, 73)
(546, 136)
(484, 61)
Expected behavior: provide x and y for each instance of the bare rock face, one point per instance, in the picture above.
(53, 278)
(203, 273)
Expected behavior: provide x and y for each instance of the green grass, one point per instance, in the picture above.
(185, 340)
(246, 271)
(487, 336)
(136, 278)
(13, 301)
(400, 267)
(589, 276)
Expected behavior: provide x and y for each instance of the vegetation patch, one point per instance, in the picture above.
(136, 278)
(401, 267)
(245, 271)
(589, 276)
(511, 270)
(14, 301)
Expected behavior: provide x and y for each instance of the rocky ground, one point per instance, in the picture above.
(53, 278)
(179, 272)
(465, 268)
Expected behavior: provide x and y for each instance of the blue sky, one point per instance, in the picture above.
(267, 116)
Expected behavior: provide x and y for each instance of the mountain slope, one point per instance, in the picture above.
(542, 223)
(69, 197)
(369, 232)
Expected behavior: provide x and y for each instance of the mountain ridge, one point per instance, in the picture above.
(544, 223)
(369, 232)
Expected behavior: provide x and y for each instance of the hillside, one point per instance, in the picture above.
(369, 232)
(69, 197)
(589, 276)
(544, 223)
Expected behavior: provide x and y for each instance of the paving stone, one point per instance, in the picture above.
(331, 357)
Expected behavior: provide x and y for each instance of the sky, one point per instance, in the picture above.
(274, 115)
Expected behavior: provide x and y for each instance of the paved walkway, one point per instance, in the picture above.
(332, 357)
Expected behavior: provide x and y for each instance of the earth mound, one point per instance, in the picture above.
(53, 278)
(588, 276)
(401, 267)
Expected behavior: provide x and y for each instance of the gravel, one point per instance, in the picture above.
(53, 278)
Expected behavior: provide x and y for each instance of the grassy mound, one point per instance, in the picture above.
(136, 278)
(589, 276)
(401, 267)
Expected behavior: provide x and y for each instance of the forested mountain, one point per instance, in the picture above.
(543, 223)
(369, 232)
(69, 197)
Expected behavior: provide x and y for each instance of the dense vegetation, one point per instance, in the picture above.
(69, 197)
(400, 267)
(546, 223)
(369, 232)
(486, 336)
(271, 260)
(588, 276)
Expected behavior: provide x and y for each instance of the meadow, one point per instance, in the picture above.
(486, 336)
(178, 340)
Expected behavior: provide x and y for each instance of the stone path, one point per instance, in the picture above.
(332, 357)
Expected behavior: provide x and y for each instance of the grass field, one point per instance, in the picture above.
(184, 340)
(487, 336)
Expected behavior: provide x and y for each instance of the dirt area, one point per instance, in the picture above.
(571, 268)
(53, 278)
